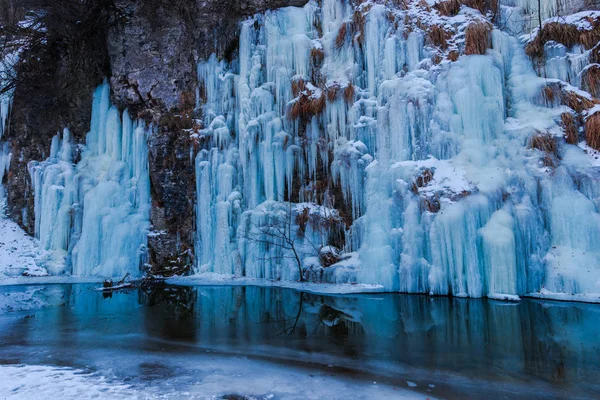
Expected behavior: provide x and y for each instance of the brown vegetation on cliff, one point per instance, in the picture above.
(592, 131)
(438, 36)
(477, 38)
(590, 78)
(568, 124)
(566, 34)
(450, 8)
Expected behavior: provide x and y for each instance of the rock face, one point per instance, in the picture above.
(150, 52)
(57, 77)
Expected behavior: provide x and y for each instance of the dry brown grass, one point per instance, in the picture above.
(568, 123)
(333, 92)
(591, 80)
(349, 93)
(554, 94)
(548, 94)
(575, 101)
(424, 5)
(476, 4)
(590, 38)
(563, 33)
(298, 86)
(566, 34)
(544, 142)
(438, 36)
(431, 204)
(317, 105)
(592, 131)
(340, 39)
(306, 106)
(477, 38)
(400, 4)
(453, 55)
(452, 7)
(358, 26)
(448, 8)
(317, 56)
(595, 54)
(493, 6)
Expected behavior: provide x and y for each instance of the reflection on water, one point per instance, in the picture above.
(557, 344)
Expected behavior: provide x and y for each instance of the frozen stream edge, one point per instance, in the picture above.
(20, 253)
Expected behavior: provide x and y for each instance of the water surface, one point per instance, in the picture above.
(449, 347)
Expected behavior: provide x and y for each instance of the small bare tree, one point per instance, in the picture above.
(282, 231)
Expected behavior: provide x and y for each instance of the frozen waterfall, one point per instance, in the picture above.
(441, 193)
(94, 214)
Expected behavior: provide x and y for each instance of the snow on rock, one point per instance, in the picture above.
(581, 19)
(448, 178)
(18, 252)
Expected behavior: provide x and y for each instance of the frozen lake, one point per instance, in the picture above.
(270, 343)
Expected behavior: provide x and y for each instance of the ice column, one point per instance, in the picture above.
(95, 214)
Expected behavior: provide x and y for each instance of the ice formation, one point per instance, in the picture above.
(5, 107)
(94, 215)
(431, 159)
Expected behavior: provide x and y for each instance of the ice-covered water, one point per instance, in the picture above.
(184, 341)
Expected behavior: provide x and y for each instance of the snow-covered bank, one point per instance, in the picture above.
(212, 279)
(37, 381)
(18, 253)
(239, 376)
(581, 298)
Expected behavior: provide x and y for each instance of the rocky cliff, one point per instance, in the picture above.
(443, 147)
(150, 50)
